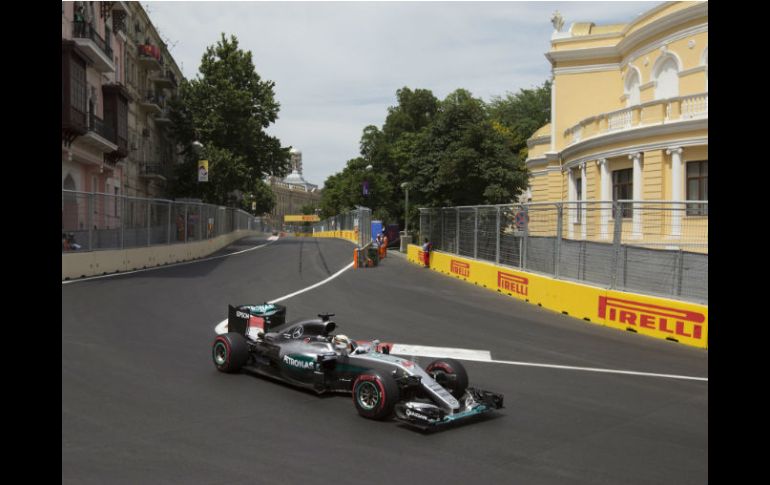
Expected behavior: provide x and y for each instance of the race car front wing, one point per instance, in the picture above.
(427, 415)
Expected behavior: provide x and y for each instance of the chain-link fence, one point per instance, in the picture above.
(655, 247)
(93, 221)
(358, 219)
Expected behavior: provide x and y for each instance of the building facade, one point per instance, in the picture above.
(116, 76)
(629, 119)
(152, 78)
(293, 192)
(94, 101)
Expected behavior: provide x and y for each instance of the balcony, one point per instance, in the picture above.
(151, 103)
(650, 114)
(154, 171)
(164, 79)
(163, 118)
(100, 136)
(73, 123)
(93, 46)
(148, 56)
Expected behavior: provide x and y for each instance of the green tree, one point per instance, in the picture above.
(462, 159)
(519, 115)
(227, 107)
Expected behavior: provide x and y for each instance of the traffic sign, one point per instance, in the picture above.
(522, 219)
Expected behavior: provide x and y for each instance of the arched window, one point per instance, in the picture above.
(666, 76)
(632, 87)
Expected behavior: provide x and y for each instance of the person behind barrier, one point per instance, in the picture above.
(384, 244)
(426, 249)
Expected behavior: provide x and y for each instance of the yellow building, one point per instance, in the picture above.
(629, 121)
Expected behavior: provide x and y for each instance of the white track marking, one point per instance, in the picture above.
(424, 351)
(67, 282)
(593, 369)
(222, 326)
(485, 356)
(313, 286)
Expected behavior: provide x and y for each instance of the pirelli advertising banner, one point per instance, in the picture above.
(301, 218)
(663, 318)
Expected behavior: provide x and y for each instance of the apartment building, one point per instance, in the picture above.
(116, 77)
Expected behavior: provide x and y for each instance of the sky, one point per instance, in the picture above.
(337, 65)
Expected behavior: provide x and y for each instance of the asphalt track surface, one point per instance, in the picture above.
(143, 403)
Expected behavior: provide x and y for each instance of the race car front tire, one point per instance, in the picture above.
(450, 374)
(375, 394)
(230, 352)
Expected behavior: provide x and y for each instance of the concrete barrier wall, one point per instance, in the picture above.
(94, 263)
(663, 318)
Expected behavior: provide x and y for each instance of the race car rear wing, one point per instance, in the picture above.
(244, 319)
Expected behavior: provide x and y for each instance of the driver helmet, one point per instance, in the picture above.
(341, 342)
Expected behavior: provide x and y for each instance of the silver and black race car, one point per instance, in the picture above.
(307, 353)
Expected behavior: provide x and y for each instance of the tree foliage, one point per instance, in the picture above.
(457, 151)
(227, 108)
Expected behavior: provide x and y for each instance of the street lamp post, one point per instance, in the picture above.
(405, 186)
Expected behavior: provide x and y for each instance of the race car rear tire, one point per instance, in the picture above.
(450, 374)
(375, 394)
(230, 352)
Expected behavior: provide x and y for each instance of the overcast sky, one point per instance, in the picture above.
(337, 65)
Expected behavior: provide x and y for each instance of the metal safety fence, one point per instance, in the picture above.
(358, 220)
(655, 247)
(95, 221)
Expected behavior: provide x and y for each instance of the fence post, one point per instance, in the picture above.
(525, 240)
(168, 226)
(441, 216)
(122, 219)
(497, 237)
(617, 208)
(200, 223)
(476, 234)
(557, 251)
(149, 214)
(457, 231)
(679, 272)
(90, 221)
(185, 223)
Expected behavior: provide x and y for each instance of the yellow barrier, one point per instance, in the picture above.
(662, 318)
(348, 235)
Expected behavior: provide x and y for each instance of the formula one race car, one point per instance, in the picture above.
(307, 353)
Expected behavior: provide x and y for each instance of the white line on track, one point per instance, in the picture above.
(485, 356)
(593, 369)
(271, 240)
(222, 326)
(425, 351)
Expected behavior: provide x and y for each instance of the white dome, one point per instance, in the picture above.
(294, 178)
(294, 151)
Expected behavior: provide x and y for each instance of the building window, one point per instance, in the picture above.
(579, 197)
(698, 187)
(666, 76)
(78, 86)
(623, 188)
(632, 88)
